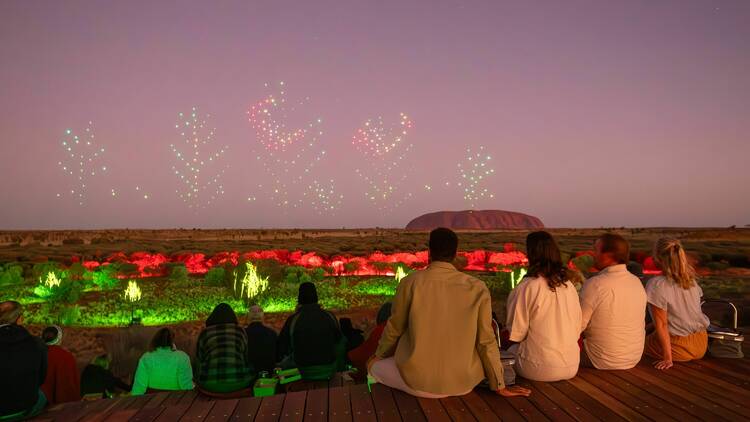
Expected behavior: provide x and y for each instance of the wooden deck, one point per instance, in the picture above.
(710, 389)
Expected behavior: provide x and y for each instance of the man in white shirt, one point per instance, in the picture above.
(613, 306)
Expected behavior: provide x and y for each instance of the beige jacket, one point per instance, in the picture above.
(440, 332)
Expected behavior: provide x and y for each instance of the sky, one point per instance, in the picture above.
(582, 113)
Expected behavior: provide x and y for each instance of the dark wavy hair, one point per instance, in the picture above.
(545, 259)
(162, 338)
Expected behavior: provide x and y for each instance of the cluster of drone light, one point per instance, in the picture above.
(81, 160)
(385, 152)
(472, 174)
(323, 199)
(199, 171)
(287, 155)
(375, 140)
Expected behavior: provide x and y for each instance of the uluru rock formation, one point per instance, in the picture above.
(475, 220)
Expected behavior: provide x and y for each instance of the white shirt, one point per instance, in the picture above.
(547, 325)
(683, 306)
(613, 306)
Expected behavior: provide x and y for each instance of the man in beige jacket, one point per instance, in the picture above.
(439, 340)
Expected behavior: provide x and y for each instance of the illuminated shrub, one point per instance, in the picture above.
(58, 288)
(248, 283)
(69, 315)
(105, 277)
(11, 274)
(215, 276)
(179, 273)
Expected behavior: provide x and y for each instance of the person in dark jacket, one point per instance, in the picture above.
(97, 379)
(261, 341)
(311, 338)
(23, 366)
(61, 384)
(354, 336)
(222, 361)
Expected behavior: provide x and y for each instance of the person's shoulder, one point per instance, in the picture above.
(179, 354)
(656, 282)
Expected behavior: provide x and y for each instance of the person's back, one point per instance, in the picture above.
(163, 367)
(23, 364)
(547, 325)
(62, 383)
(441, 330)
(261, 346)
(314, 334)
(614, 306)
(96, 378)
(222, 360)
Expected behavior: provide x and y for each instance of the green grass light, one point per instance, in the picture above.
(251, 284)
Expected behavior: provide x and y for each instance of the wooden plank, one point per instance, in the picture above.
(433, 410)
(385, 405)
(115, 405)
(711, 382)
(147, 414)
(362, 407)
(622, 397)
(198, 411)
(670, 384)
(316, 408)
(122, 415)
(339, 404)
(246, 409)
(156, 400)
(222, 410)
(294, 407)
(173, 413)
(600, 411)
(189, 397)
(607, 400)
(89, 408)
(706, 390)
(140, 401)
(479, 408)
(644, 396)
(663, 391)
(499, 405)
(408, 407)
(457, 410)
(270, 407)
(713, 369)
(173, 397)
(553, 410)
(337, 380)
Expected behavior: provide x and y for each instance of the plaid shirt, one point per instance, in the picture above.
(222, 355)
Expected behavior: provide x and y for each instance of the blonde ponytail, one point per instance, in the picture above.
(670, 256)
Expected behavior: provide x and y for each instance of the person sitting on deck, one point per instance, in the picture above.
(359, 356)
(311, 338)
(61, 384)
(23, 366)
(97, 379)
(439, 340)
(674, 300)
(163, 368)
(544, 315)
(354, 336)
(222, 359)
(613, 308)
(261, 341)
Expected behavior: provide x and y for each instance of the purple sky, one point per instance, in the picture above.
(595, 113)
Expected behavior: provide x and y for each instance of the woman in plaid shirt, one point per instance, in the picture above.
(222, 363)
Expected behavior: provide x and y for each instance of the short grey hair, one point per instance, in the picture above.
(10, 311)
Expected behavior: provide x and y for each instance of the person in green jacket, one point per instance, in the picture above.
(164, 367)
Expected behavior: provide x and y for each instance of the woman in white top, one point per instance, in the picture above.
(674, 300)
(544, 315)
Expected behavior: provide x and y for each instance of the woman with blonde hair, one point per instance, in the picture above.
(674, 300)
